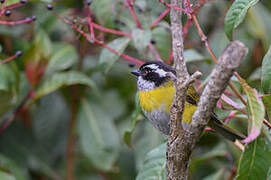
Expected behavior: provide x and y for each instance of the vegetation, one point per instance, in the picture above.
(67, 99)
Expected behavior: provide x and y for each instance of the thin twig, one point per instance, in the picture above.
(13, 23)
(124, 56)
(20, 107)
(112, 31)
(132, 12)
(154, 52)
(162, 15)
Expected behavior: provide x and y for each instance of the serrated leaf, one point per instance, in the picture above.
(95, 127)
(63, 57)
(59, 80)
(255, 161)
(107, 58)
(141, 39)
(236, 15)
(190, 55)
(154, 166)
(266, 72)
(256, 112)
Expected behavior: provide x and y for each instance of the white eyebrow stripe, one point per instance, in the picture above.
(152, 66)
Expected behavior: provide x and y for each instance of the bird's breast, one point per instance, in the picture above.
(157, 99)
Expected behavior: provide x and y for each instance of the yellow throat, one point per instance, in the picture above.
(161, 99)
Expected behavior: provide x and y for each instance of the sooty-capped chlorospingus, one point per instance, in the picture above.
(156, 93)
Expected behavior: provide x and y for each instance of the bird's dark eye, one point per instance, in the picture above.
(144, 72)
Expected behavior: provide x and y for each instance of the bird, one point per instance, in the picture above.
(156, 93)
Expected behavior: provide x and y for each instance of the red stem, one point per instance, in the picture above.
(112, 31)
(154, 52)
(8, 59)
(12, 6)
(174, 7)
(170, 59)
(162, 15)
(129, 58)
(132, 12)
(126, 57)
(90, 23)
(13, 23)
(29, 95)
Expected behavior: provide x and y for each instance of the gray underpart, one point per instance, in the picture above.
(160, 120)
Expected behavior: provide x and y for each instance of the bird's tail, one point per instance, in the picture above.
(224, 130)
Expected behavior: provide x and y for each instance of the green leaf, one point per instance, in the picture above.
(163, 41)
(103, 11)
(6, 176)
(141, 39)
(256, 112)
(59, 80)
(236, 15)
(266, 72)
(220, 174)
(127, 136)
(43, 41)
(154, 166)
(63, 57)
(191, 55)
(11, 166)
(259, 23)
(269, 174)
(9, 2)
(218, 151)
(107, 58)
(95, 127)
(8, 88)
(255, 161)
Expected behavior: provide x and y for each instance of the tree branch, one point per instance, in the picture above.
(183, 145)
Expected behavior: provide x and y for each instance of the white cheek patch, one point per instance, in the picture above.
(144, 85)
(161, 72)
(158, 70)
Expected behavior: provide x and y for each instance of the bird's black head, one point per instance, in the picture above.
(152, 74)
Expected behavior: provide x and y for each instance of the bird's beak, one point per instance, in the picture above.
(135, 72)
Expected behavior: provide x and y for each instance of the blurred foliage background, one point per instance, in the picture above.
(71, 103)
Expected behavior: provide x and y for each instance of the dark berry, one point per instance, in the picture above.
(18, 53)
(50, 7)
(23, 1)
(74, 21)
(34, 18)
(153, 41)
(89, 2)
(149, 9)
(7, 13)
(122, 23)
(116, 21)
(2, 1)
(131, 65)
(140, 10)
